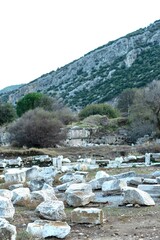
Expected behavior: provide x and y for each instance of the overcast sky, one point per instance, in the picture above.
(38, 36)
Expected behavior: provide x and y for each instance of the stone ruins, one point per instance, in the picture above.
(28, 180)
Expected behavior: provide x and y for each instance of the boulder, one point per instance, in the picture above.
(137, 196)
(15, 176)
(51, 210)
(87, 215)
(134, 181)
(7, 231)
(20, 195)
(64, 186)
(149, 181)
(7, 209)
(45, 194)
(36, 184)
(156, 174)
(6, 193)
(113, 187)
(151, 189)
(125, 175)
(15, 186)
(97, 183)
(44, 229)
(45, 173)
(14, 162)
(79, 194)
(101, 174)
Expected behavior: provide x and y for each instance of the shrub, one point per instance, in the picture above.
(7, 113)
(139, 129)
(66, 116)
(101, 109)
(36, 128)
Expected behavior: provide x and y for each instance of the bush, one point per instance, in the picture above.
(36, 128)
(101, 109)
(7, 113)
(65, 115)
(139, 129)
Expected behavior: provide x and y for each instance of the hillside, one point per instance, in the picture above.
(10, 88)
(100, 75)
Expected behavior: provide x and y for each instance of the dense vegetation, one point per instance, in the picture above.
(144, 70)
(100, 109)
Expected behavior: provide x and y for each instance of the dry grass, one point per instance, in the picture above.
(14, 152)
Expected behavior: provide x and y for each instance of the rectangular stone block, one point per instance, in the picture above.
(87, 215)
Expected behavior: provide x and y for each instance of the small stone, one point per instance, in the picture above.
(137, 205)
(81, 234)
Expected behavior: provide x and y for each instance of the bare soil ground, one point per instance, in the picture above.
(120, 223)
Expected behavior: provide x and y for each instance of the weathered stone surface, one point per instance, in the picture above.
(44, 229)
(64, 186)
(6, 193)
(15, 176)
(15, 186)
(97, 183)
(7, 231)
(134, 181)
(51, 210)
(14, 162)
(125, 175)
(74, 177)
(149, 181)
(20, 195)
(86, 166)
(87, 215)
(156, 174)
(45, 194)
(151, 189)
(7, 209)
(35, 185)
(129, 158)
(79, 194)
(113, 187)
(101, 174)
(137, 196)
(45, 173)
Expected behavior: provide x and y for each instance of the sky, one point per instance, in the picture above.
(39, 36)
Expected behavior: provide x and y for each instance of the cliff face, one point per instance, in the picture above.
(100, 75)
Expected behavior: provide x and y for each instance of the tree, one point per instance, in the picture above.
(152, 99)
(145, 109)
(36, 128)
(29, 101)
(101, 109)
(34, 100)
(7, 113)
(126, 99)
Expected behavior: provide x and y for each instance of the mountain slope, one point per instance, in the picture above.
(10, 88)
(100, 75)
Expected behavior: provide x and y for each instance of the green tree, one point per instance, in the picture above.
(36, 128)
(101, 109)
(29, 101)
(7, 113)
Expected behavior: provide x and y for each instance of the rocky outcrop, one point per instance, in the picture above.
(84, 80)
